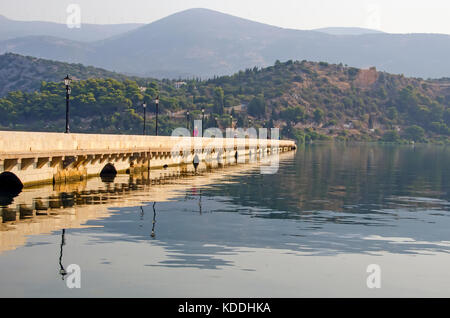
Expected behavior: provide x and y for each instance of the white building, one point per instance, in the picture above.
(179, 84)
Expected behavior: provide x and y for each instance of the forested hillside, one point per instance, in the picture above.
(18, 72)
(307, 100)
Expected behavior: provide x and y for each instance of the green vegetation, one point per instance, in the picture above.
(307, 101)
(26, 73)
(391, 136)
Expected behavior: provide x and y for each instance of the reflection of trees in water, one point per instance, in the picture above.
(342, 195)
(336, 177)
(200, 201)
(207, 241)
(324, 183)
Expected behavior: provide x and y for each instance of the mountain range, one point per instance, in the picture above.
(10, 29)
(204, 43)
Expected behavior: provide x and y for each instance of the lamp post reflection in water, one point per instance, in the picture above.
(153, 221)
(141, 215)
(200, 201)
(62, 271)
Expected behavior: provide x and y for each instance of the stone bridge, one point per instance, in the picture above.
(38, 157)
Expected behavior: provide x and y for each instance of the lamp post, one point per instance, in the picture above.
(231, 121)
(144, 105)
(157, 110)
(67, 81)
(187, 120)
(203, 118)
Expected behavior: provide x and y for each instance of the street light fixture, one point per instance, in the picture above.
(67, 82)
(187, 120)
(203, 118)
(144, 105)
(231, 121)
(157, 110)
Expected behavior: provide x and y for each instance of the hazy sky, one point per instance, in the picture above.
(397, 16)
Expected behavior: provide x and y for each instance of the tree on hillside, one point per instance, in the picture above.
(274, 115)
(370, 124)
(414, 133)
(318, 115)
(240, 121)
(7, 111)
(447, 116)
(287, 131)
(391, 136)
(218, 100)
(407, 99)
(295, 114)
(257, 106)
(392, 113)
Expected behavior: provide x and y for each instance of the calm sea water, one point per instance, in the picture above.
(312, 229)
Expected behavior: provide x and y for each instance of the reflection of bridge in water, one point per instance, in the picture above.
(48, 208)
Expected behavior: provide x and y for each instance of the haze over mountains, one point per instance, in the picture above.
(347, 31)
(204, 43)
(10, 29)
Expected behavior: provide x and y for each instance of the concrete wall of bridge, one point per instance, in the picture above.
(36, 157)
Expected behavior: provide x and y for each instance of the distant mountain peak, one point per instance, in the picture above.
(200, 11)
(203, 15)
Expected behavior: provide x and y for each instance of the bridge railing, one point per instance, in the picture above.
(38, 142)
